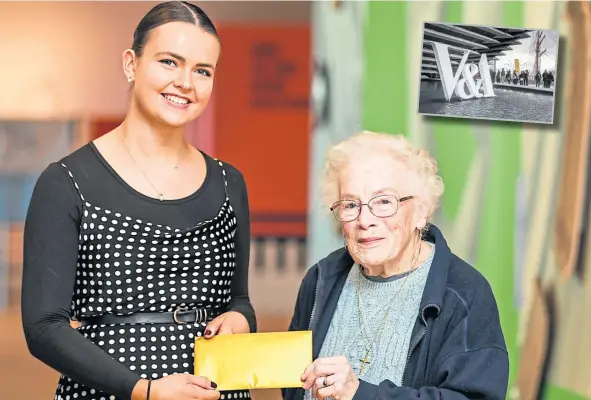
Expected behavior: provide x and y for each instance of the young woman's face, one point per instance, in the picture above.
(174, 75)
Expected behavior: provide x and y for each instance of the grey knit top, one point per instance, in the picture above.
(388, 309)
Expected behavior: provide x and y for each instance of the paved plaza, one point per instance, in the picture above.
(514, 104)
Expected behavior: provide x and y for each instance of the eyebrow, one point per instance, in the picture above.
(183, 59)
(376, 193)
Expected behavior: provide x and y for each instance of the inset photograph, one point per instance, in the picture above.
(484, 72)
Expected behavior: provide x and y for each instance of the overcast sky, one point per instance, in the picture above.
(525, 55)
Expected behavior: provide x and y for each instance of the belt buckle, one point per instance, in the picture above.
(175, 315)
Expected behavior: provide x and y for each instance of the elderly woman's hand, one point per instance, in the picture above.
(331, 377)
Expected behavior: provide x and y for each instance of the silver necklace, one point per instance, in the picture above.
(175, 166)
(369, 344)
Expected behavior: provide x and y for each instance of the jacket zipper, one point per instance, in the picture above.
(416, 343)
(311, 318)
(315, 300)
(409, 354)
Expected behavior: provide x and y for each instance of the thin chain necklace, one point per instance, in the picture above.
(366, 359)
(175, 166)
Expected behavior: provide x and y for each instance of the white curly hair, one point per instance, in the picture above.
(367, 143)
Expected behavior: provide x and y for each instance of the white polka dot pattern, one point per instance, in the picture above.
(127, 265)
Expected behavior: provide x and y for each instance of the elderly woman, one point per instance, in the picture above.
(395, 314)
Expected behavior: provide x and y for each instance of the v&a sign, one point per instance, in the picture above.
(467, 87)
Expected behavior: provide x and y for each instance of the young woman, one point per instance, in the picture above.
(140, 237)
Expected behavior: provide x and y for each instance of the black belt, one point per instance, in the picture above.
(179, 316)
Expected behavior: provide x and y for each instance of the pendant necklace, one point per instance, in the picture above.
(175, 166)
(366, 359)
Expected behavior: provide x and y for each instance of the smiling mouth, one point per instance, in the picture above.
(369, 241)
(180, 101)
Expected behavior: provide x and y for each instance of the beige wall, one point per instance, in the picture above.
(62, 60)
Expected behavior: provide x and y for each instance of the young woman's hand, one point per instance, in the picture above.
(177, 387)
(227, 323)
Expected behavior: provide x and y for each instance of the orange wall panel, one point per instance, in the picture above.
(262, 115)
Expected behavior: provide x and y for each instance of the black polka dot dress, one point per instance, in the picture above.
(128, 265)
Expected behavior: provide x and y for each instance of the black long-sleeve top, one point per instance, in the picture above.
(51, 247)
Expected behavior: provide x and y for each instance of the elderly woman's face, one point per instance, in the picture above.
(375, 241)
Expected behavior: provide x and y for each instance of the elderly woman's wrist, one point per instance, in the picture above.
(365, 391)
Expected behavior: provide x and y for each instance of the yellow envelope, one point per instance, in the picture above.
(254, 360)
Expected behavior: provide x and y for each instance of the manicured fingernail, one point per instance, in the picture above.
(214, 385)
(207, 332)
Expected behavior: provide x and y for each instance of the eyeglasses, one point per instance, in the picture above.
(382, 206)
